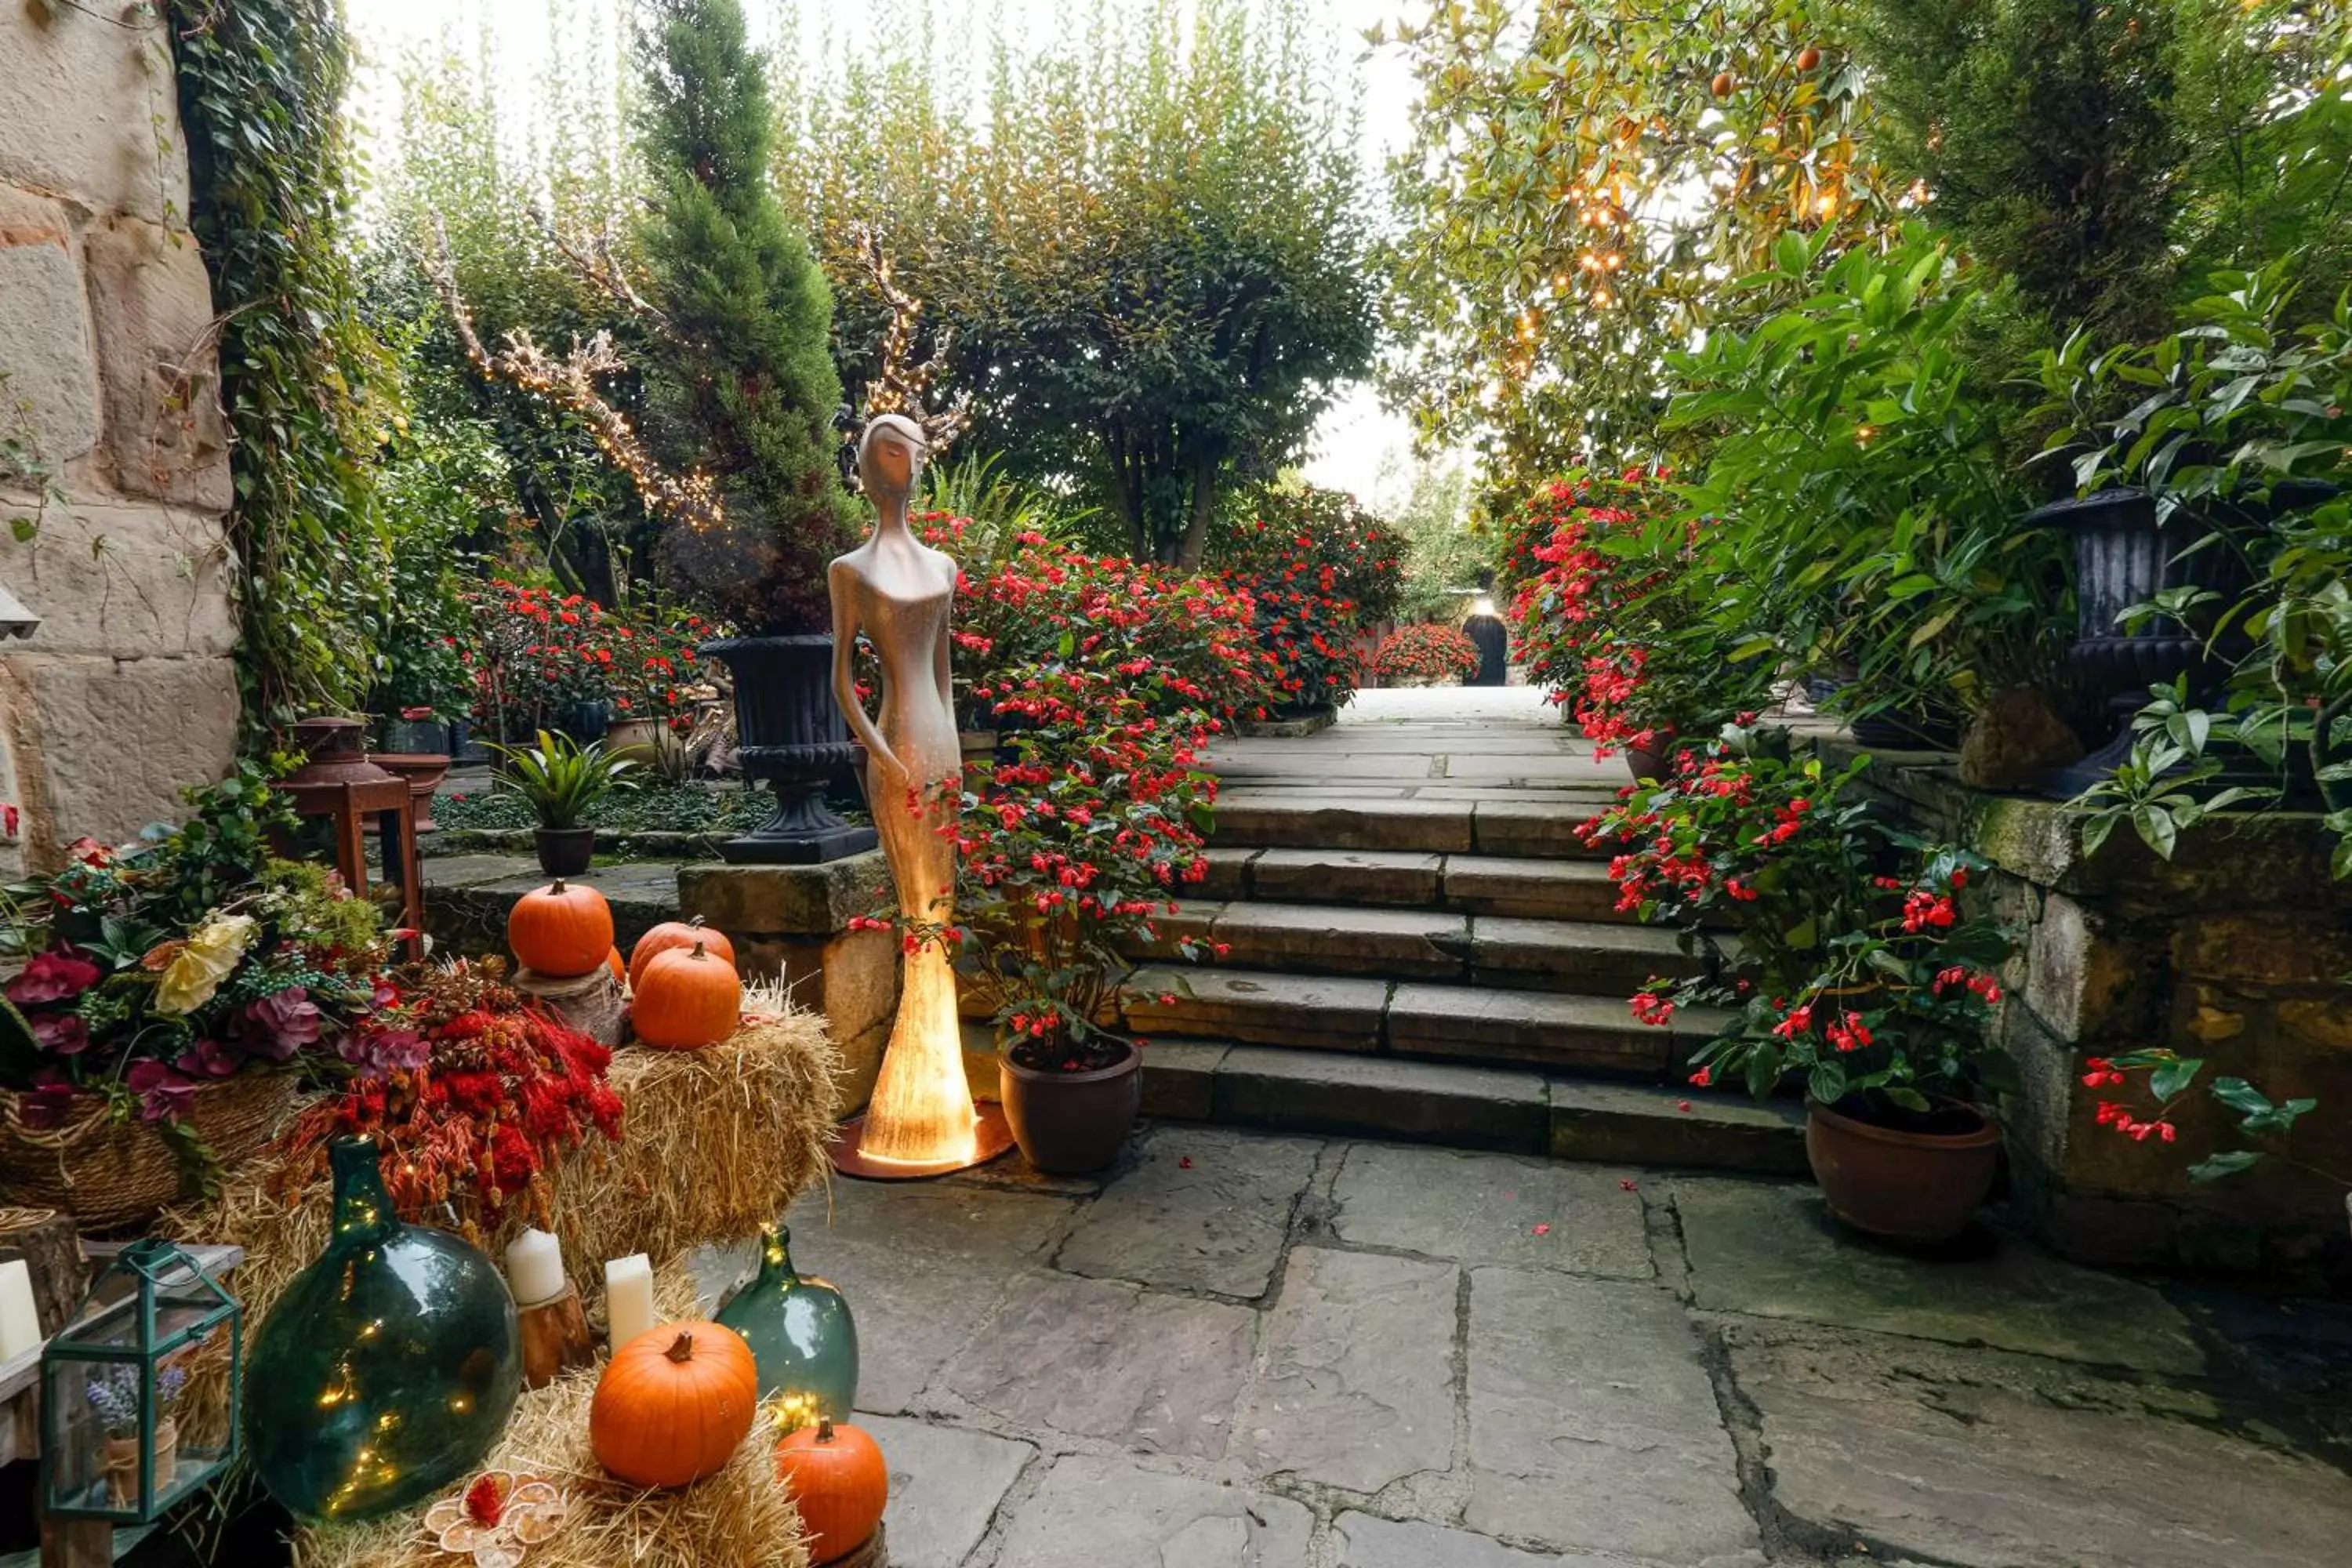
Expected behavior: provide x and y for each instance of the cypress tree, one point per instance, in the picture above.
(740, 383)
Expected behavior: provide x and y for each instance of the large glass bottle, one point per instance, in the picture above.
(387, 1368)
(801, 1333)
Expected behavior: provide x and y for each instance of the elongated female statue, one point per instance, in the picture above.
(899, 591)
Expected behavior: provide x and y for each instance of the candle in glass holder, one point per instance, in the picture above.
(628, 1297)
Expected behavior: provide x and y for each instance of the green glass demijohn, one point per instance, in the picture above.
(388, 1368)
(801, 1334)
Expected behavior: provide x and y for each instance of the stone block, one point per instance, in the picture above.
(49, 366)
(1102, 1513)
(1180, 1078)
(786, 901)
(79, 102)
(104, 746)
(150, 303)
(1539, 828)
(2282, 948)
(1358, 1386)
(1205, 1210)
(1335, 939)
(1534, 888)
(1345, 876)
(852, 978)
(1339, 1014)
(1593, 1424)
(1422, 1103)
(2086, 977)
(1153, 1374)
(945, 1485)
(1480, 1208)
(1524, 1026)
(124, 580)
(1634, 1124)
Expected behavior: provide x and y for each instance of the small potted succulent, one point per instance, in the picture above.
(114, 1399)
(1855, 975)
(564, 780)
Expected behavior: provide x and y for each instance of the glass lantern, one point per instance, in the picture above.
(140, 1389)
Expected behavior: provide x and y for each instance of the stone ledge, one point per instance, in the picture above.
(788, 901)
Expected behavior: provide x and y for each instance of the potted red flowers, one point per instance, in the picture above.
(1425, 654)
(1070, 846)
(1856, 975)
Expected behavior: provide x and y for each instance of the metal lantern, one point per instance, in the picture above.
(140, 1389)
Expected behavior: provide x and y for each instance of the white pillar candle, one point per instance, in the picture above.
(535, 1267)
(628, 1297)
(20, 1324)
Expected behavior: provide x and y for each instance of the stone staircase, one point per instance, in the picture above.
(1414, 956)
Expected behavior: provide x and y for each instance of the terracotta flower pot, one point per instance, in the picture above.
(1651, 764)
(1903, 1185)
(122, 1464)
(1073, 1121)
(635, 739)
(564, 851)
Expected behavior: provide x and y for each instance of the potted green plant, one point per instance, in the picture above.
(113, 1397)
(564, 780)
(1855, 975)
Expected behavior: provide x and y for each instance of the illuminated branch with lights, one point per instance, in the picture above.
(597, 263)
(904, 386)
(570, 384)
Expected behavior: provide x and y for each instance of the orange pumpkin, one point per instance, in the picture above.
(686, 999)
(562, 929)
(674, 934)
(673, 1404)
(613, 962)
(838, 1477)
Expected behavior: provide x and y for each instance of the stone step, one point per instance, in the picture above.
(1369, 1016)
(1478, 884)
(1468, 1107)
(1304, 819)
(1508, 952)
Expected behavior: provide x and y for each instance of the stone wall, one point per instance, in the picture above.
(126, 691)
(2237, 951)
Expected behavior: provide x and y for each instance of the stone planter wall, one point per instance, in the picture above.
(2237, 951)
(126, 692)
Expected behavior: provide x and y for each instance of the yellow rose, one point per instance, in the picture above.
(209, 957)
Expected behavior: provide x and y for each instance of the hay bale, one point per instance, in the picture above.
(714, 1143)
(742, 1517)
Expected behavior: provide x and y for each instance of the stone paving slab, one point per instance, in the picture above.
(1097, 1512)
(1205, 1209)
(1101, 1358)
(1593, 1424)
(1368, 1542)
(1970, 1458)
(1487, 1208)
(1356, 1388)
(945, 1485)
(922, 1265)
(1772, 1251)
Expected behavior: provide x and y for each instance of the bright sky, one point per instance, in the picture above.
(1356, 434)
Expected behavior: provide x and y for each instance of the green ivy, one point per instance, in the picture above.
(261, 84)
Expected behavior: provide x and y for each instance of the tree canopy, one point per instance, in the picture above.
(1145, 245)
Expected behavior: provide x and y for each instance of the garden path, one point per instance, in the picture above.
(1244, 1350)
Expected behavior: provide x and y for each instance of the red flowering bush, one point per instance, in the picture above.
(1185, 644)
(2167, 1079)
(1318, 570)
(1069, 850)
(1854, 969)
(1431, 655)
(1604, 621)
(542, 655)
(496, 1088)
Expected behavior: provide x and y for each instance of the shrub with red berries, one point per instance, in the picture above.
(1855, 968)
(541, 654)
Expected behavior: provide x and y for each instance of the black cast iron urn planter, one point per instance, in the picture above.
(2123, 557)
(789, 733)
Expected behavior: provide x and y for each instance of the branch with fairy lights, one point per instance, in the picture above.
(902, 386)
(570, 383)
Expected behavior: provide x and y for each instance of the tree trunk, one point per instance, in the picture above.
(1204, 510)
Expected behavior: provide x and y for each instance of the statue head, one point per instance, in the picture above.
(890, 455)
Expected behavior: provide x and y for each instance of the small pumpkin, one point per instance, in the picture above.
(673, 1404)
(563, 930)
(671, 935)
(838, 1479)
(686, 999)
(613, 962)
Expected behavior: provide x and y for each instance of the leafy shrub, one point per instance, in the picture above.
(540, 655)
(1439, 656)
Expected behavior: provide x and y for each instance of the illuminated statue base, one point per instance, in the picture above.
(991, 1136)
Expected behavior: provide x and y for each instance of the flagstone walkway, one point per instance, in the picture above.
(1246, 1351)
